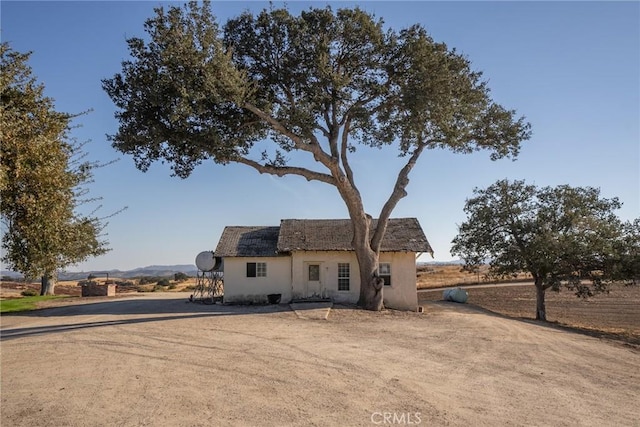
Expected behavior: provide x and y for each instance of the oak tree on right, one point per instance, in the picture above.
(560, 235)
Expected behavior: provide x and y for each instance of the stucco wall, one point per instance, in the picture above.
(238, 288)
(400, 295)
(328, 286)
(288, 276)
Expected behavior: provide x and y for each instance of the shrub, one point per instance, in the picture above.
(180, 277)
(163, 282)
(29, 293)
(147, 280)
(124, 283)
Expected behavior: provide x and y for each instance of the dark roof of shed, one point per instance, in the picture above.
(248, 242)
(402, 235)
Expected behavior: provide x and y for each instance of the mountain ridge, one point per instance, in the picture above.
(151, 270)
(157, 271)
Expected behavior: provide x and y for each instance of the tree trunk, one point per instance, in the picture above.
(48, 284)
(371, 291)
(541, 312)
(371, 286)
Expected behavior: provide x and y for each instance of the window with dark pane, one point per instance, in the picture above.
(251, 269)
(256, 269)
(314, 272)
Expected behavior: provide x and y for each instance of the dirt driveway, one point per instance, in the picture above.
(157, 360)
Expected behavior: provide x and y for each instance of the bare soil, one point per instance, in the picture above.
(615, 315)
(154, 359)
(438, 276)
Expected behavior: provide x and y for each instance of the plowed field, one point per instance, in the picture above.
(614, 315)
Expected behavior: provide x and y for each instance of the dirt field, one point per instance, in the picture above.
(437, 276)
(615, 315)
(153, 359)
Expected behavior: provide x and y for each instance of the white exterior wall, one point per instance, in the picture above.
(401, 295)
(287, 275)
(328, 286)
(238, 288)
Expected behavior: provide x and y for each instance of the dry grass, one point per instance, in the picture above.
(11, 289)
(440, 276)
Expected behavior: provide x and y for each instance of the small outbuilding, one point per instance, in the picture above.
(313, 258)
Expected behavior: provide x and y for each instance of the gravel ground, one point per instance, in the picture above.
(156, 360)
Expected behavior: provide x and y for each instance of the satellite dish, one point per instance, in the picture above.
(205, 261)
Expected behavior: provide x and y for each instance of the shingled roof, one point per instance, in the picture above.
(248, 242)
(403, 235)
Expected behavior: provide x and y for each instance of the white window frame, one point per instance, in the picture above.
(260, 269)
(385, 273)
(342, 277)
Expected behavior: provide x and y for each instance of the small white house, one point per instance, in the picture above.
(314, 258)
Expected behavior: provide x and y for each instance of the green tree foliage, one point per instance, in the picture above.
(145, 280)
(320, 84)
(560, 235)
(180, 277)
(626, 264)
(163, 282)
(41, 177)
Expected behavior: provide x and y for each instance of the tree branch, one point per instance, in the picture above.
(343, 152)
(327, 120)
(314, 148)
(398, 193)
(277, 126)
(287, 170)
(320, 155)
(324, 131)
(333, 129)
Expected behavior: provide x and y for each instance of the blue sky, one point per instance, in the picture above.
(572, 68)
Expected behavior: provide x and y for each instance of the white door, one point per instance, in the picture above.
(313, 286)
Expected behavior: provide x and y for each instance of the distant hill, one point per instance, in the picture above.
(452, 262)
(160, 271)
(152, 270)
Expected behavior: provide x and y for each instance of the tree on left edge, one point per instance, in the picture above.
(42, 178)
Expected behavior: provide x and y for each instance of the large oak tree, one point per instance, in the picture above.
(322, 84)
(625, 266)
(560, 235)
(42, 172)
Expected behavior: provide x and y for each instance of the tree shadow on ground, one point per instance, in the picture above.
(145, 310)
(146, 305)
(13, 333)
